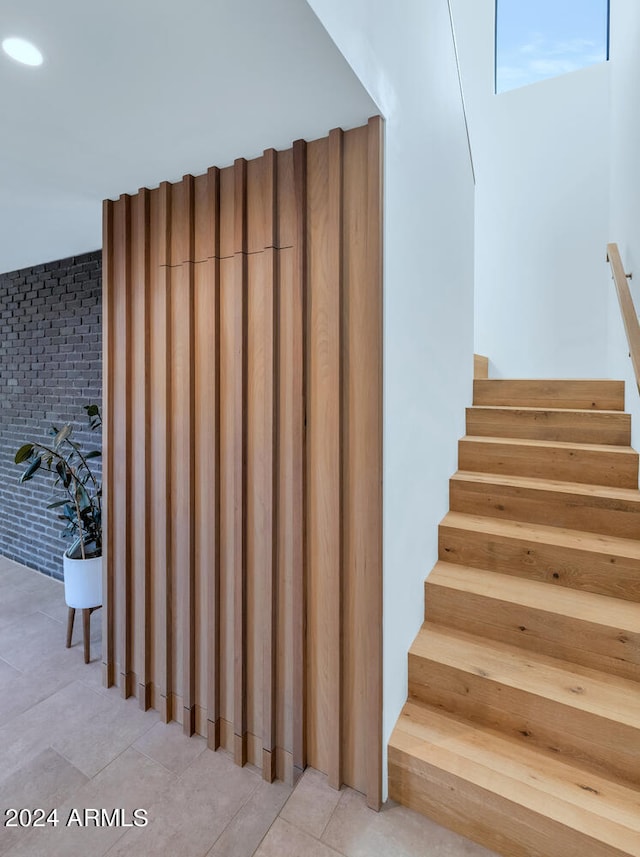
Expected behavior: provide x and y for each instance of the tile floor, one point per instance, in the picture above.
(67, 743)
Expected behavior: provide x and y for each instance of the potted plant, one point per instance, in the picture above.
(79, 505)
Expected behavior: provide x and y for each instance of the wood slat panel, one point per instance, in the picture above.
(182, 495)
(227, 216)
(239, 316)
(207, 493)
(206, 213)
(109, 607)
(139, 321)
(289, 201)
(324, 186)
(257, 205)
(227, 498)
(290, 619)
(271, 316)
(356, 487)
(243, 365)
(182, 233)
(160, 445)
(295, 451)
(121, 487)
(372, 422)
(259, 535)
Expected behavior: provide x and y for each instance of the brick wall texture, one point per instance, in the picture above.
(50, 367)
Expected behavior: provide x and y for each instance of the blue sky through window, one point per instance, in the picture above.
(536, 39)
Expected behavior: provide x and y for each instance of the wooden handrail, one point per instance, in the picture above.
(629, 315)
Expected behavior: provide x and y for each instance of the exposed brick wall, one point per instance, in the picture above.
(50, 367)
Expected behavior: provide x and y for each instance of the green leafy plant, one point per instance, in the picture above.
(81, 502)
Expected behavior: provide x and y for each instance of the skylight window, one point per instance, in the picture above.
(538, 39)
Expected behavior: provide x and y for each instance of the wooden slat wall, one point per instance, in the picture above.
(243, 441)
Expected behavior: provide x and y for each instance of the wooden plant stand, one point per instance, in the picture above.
(86, 628)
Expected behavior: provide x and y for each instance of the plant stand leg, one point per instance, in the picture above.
(86, 631)
(71, 617)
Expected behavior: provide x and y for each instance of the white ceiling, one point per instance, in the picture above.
(134, 92)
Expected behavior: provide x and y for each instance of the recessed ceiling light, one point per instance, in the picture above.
(22, 51)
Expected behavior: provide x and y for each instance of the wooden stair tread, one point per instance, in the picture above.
(534, 483)
(586, 606)
(591, 691)
(612, 428)
(551, 788)
(614, 511)
(544, 409)
(534, 443)
(567, 393)
(586, 463)
(546, 534)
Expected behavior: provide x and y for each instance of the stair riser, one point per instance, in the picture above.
(483, 816)
(584, 395)
(614, 651)
(577, 511)
(601, 573)
(593, 427)
(614, 469)
(593, 740)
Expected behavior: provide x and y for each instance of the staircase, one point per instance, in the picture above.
(522, 726)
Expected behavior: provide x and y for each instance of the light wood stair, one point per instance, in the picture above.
(522, 727)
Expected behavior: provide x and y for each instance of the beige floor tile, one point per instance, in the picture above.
(16, 604)
(26, 689)
(132, 781)
(167, 744)
(97, 741)
(312, 803)
(29, 639)
(48, 598)
(286, 840)
(194, 812)
(85, 727)
(24, 578)
(40, 783)
(66, 665)
(21, 694)
(357, 831)
(246, 831)
(53, 604)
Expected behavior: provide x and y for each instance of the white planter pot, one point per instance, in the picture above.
(82, 582)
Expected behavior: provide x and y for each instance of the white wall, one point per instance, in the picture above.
(624, 226)
(541, 155)
(403, 55)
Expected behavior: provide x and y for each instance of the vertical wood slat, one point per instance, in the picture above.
(207, 315)
(296, 454)
(140, 433)
(374, 421)
(108, 355)
(360, 433)
(271, 436)
(121, 449)
(182, 520)
(165, 618)
(240, 462)
(334, 450)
